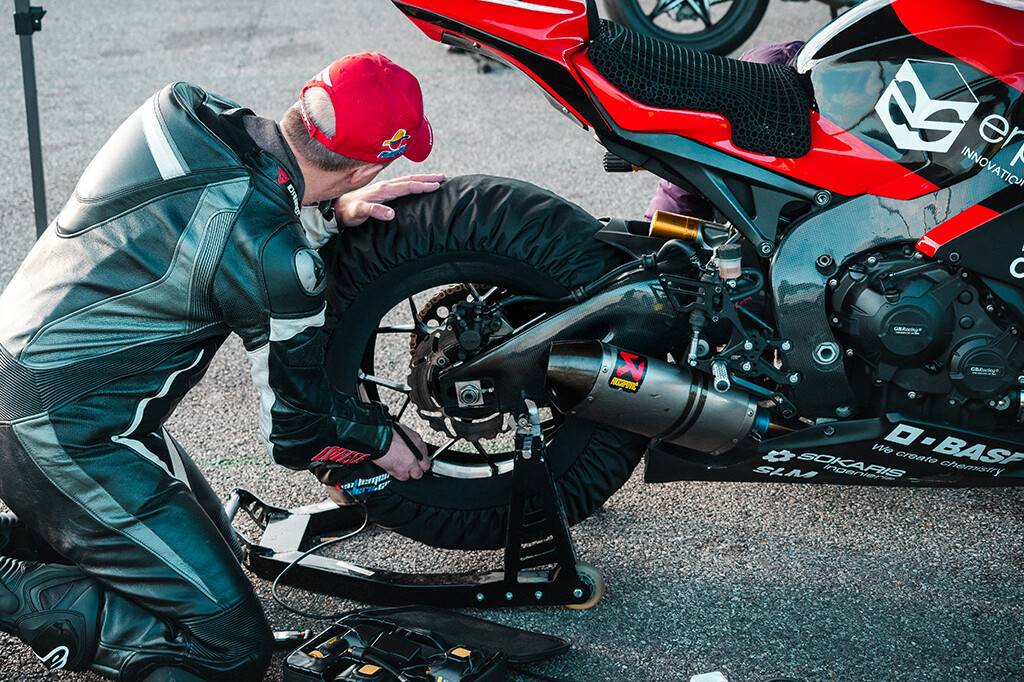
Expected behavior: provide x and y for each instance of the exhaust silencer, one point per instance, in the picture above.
(648, 396)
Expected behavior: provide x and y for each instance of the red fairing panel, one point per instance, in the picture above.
(551, 28)
(864, 170)
(945, 232)
(986, 35)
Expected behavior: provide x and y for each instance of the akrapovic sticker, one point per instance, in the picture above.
(629, 372)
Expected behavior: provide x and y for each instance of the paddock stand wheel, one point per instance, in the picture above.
(594, 581)
(536, 573)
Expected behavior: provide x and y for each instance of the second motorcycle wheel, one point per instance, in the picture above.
(717, 26)
(394, 286)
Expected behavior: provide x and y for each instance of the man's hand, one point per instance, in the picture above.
(355, 207)
(400, 461)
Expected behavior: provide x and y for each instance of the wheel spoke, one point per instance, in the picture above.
(490, 292)
(445, 448)
(419, 325)
(487, 458)
(663, 7)
(397, 329)
(405, 404)
(384, 383)
(702, 8)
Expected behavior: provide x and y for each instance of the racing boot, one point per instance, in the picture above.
(53, 609)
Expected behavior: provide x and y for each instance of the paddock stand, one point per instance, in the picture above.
(543, 572)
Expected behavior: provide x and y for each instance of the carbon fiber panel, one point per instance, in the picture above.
(842, 232)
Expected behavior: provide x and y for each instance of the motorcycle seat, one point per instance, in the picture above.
(766, 105)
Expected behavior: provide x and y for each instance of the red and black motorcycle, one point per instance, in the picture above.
(852, 316)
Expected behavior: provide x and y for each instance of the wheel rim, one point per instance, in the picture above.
(676, 19)
(384, 376)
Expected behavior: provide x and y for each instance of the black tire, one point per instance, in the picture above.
(484, 230)
(726, 32)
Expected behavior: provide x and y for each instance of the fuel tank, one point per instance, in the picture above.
(933, 85)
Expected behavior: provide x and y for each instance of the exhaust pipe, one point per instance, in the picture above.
(648, 396)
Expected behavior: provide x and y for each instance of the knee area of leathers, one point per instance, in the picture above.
(234, 645)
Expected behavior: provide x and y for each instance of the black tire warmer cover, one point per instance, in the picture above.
(473, 222)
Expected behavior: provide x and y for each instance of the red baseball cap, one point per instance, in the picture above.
(378, 110)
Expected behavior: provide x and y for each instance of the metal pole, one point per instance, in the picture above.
(28, 20)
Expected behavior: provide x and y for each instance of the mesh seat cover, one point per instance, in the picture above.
(766, 105)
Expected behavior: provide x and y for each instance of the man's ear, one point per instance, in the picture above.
(365, 173)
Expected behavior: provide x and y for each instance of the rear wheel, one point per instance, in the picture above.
(393, 285)
(718, 26)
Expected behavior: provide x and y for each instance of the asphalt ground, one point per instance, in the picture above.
(831, 584)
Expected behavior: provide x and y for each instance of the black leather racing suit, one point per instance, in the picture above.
(181, 231)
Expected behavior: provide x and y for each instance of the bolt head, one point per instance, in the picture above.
(578, 593)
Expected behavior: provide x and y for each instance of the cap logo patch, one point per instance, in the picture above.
(395, 146)
(325, 76)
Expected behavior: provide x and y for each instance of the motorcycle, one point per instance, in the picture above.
(718, 26)
(852, 315)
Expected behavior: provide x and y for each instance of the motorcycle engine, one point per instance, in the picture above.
(921, 331)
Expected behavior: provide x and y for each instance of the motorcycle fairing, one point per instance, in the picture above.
(889, 450)
(548, 39)
(755, 210)
(997, 251)
(919, 92)
(534, 36)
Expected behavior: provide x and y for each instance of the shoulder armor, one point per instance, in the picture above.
(294, 274)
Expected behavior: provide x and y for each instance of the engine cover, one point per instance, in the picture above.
(918, 328)
(981, 369)
(896, 322)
